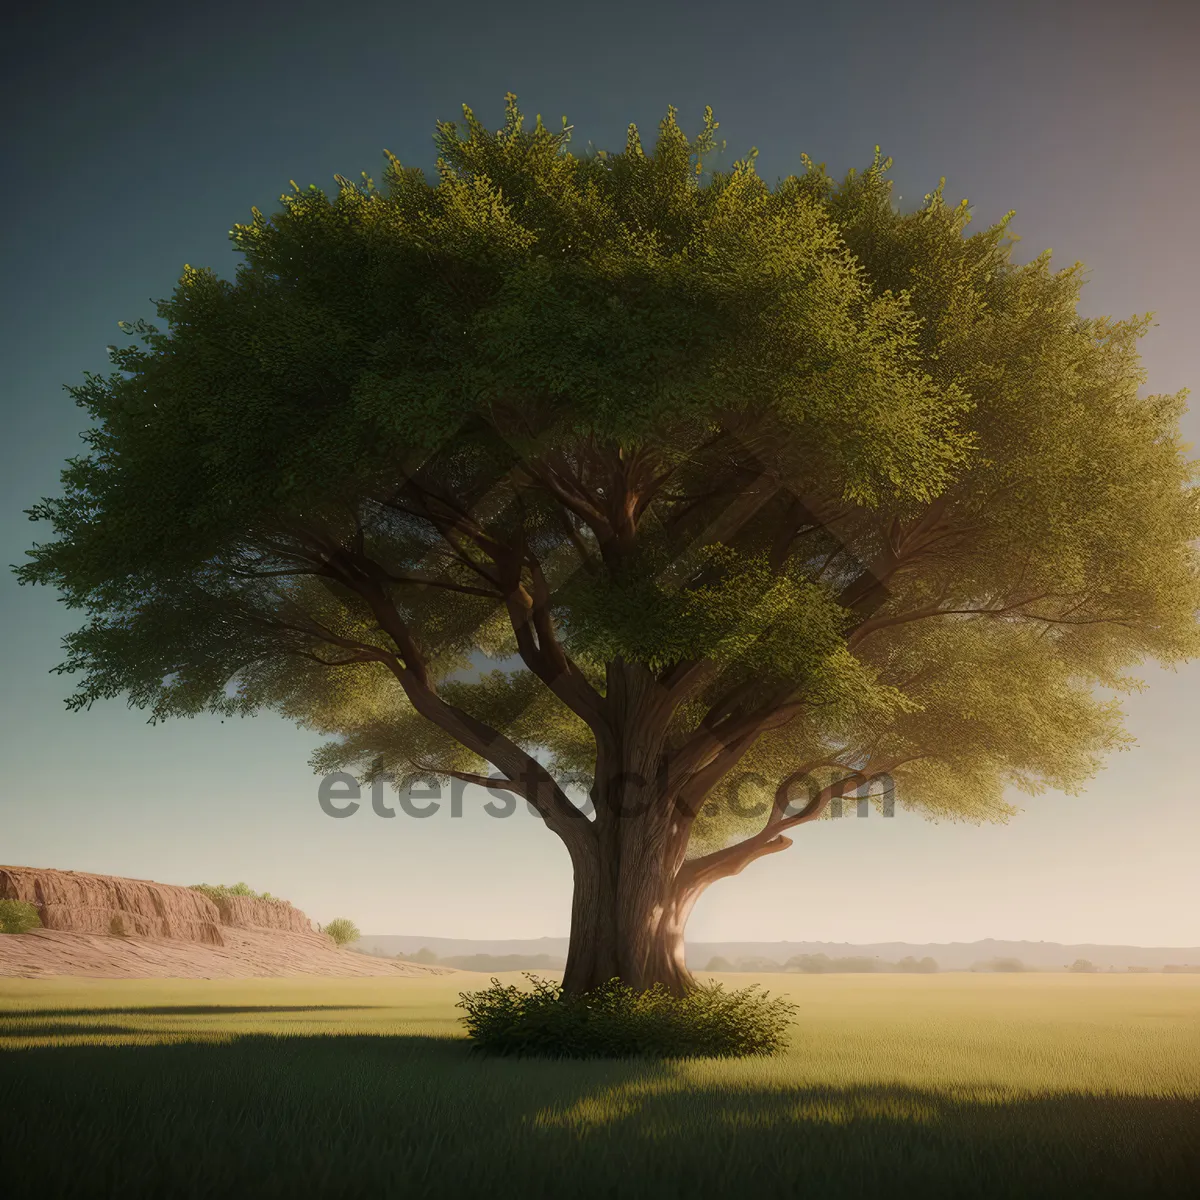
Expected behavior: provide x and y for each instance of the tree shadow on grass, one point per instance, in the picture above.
(43, 1029)
(370, 1115)
(889, 1140)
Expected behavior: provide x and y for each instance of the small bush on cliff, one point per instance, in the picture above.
(18, 916)
(615, 1021)
(219, 891)
(342, 930)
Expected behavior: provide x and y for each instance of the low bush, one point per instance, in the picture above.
(218, 891)
(615, 1021)
(18, 916)
(342, 930)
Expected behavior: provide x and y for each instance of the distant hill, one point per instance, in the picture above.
(110, 927)
(531, 953)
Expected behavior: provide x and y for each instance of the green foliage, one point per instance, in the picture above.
(615, 1021)
(879, 493)
(219, 891)
(342, 930)
(18, 916)
(1082, 966)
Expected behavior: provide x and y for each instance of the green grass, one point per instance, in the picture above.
(950, 1085)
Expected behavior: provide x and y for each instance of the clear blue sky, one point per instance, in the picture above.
(135, 137)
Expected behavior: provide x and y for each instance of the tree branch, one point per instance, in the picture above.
(731, 860)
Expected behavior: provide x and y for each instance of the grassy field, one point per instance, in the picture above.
(954, 1085)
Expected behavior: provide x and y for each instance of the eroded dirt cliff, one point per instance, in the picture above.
(104, 925)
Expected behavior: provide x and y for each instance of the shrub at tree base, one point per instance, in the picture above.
(18, 916)
(616, 1021)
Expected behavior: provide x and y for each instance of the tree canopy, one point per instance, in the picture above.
(733, 484)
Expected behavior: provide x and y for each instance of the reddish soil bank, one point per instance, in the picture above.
(108, 927)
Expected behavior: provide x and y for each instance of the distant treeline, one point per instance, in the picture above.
(822, 964)
(804, 964)
(482, 962)
(1081, 966)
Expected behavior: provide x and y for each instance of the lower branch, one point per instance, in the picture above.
(731, 860)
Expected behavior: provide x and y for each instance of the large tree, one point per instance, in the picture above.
(757, 497)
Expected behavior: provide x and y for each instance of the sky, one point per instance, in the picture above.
(137, 135)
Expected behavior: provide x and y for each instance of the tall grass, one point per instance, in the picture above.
(948, 1085)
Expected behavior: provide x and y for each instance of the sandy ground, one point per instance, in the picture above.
(246, 953)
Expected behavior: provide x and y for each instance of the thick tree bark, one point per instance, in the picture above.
(625, 927)
(626, 918)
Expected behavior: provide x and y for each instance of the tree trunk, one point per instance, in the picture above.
(628, 911)
(633, 932)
